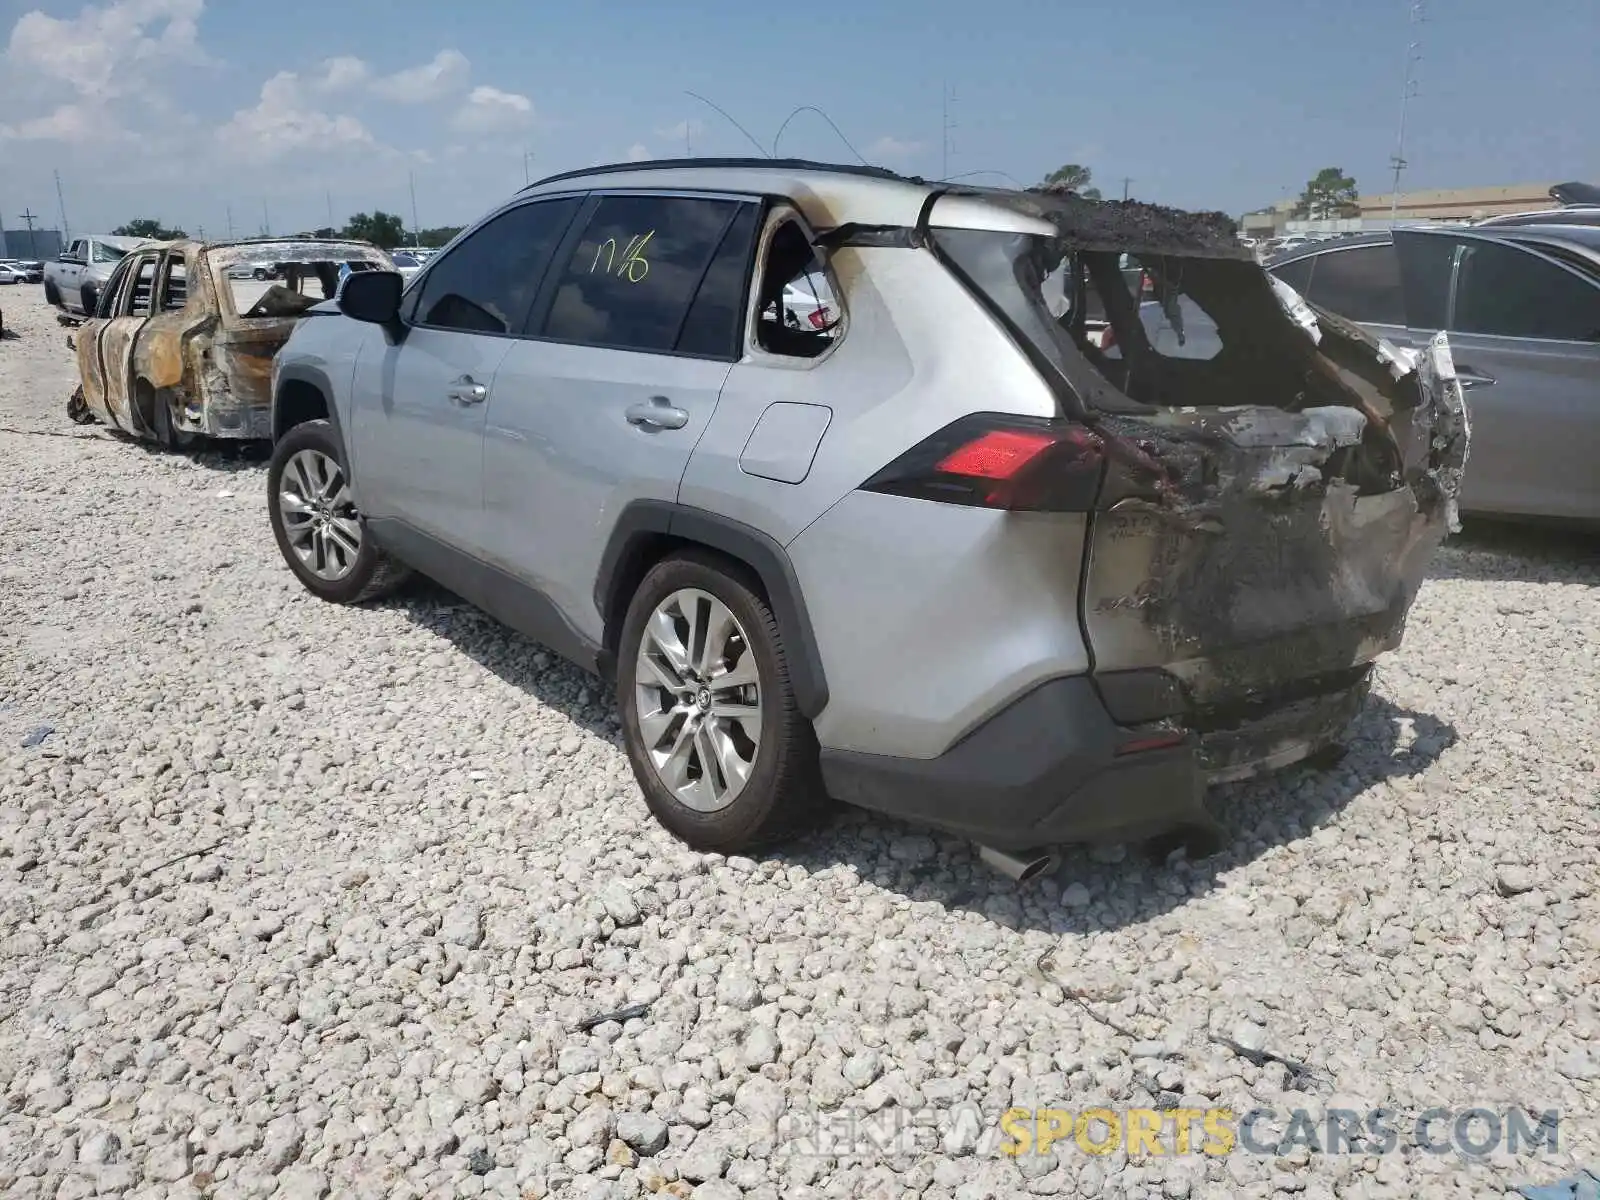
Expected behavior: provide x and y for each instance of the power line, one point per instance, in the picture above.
(812, 108)
(731, 121)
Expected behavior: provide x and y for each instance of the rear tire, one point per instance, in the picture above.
(318, 530)
(698, 793)
(164, 425)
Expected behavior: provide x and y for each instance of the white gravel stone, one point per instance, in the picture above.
(417, 859)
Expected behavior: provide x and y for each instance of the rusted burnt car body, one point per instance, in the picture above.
(169, 355)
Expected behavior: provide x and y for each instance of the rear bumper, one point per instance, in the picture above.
(1044, 770)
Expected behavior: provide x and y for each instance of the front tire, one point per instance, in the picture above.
(314, 520)
(90, 298)
(725, 759)
(52, 295)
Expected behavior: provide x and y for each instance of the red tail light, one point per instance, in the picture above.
(990, 460)
(818, 318)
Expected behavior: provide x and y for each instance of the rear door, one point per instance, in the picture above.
(128, 312)
(604, 404)
(1525, 329)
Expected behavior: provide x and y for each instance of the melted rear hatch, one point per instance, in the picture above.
(1275, 485)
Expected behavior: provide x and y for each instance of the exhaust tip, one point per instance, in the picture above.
(1022, 866)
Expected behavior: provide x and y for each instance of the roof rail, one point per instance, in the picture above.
(730, 164)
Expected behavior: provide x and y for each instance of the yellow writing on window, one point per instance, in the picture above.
(632, 266)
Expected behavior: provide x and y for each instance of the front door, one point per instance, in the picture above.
(419, 399)
(634, 340)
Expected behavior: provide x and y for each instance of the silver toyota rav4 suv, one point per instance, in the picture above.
(947, 557)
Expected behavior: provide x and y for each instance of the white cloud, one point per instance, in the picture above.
(106, 52)
(102, 68)
(69, 123)
(341, 73)
(487, 109)
(892, 148)
(281, 123)
(434, 80)
(638, 152)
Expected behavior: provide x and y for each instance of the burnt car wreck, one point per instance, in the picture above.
(1274, 479)
(178, 348)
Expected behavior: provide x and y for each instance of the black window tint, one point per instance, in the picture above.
(1362, 283)
(632, 275)
(1297, 274)
(1507, 291)
(712, 325)
(487, 283)
(1425, 263)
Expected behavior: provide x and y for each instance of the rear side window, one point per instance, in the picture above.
(175, 287)
(488, 282)
(144, 286)
(712, 326)
(1425, 267)
(1507, 291)
(634, 273)
(1362, 283)
(1297, 274)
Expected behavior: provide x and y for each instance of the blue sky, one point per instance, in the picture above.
(181, 110)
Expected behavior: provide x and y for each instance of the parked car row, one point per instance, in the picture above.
(838, 478)
(1521, 303)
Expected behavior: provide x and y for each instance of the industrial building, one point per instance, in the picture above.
(1436, 204)
(40, 244)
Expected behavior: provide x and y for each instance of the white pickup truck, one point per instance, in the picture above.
(73, 281)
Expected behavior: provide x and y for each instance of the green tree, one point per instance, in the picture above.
(1073, 178)
(384, 230)
(439, 235)
(147, 227)
(1329, 193)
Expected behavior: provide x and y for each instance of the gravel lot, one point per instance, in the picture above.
(303, 900)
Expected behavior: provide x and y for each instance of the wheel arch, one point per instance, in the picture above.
(303, 394)
(649, 530)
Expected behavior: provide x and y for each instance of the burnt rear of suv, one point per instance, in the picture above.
(1262, 500)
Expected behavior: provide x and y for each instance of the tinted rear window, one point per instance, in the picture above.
(1361, 283)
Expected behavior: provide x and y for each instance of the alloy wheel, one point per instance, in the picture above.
(698, 699)
(318, 516)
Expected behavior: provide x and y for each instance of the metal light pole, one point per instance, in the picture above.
(1408, 89)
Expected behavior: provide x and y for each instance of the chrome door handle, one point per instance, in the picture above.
(659, 413)
(465, 391)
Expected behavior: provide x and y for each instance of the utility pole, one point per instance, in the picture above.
(688, 138)
(28, 218)
(1408, 89)
(230, 222)
(947, 94)
(61, 203)
(416, 232)
(1126, 180)
(266, 221)
(328, 192)
(527, 174)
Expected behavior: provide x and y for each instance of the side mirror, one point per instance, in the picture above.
(371, 296)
